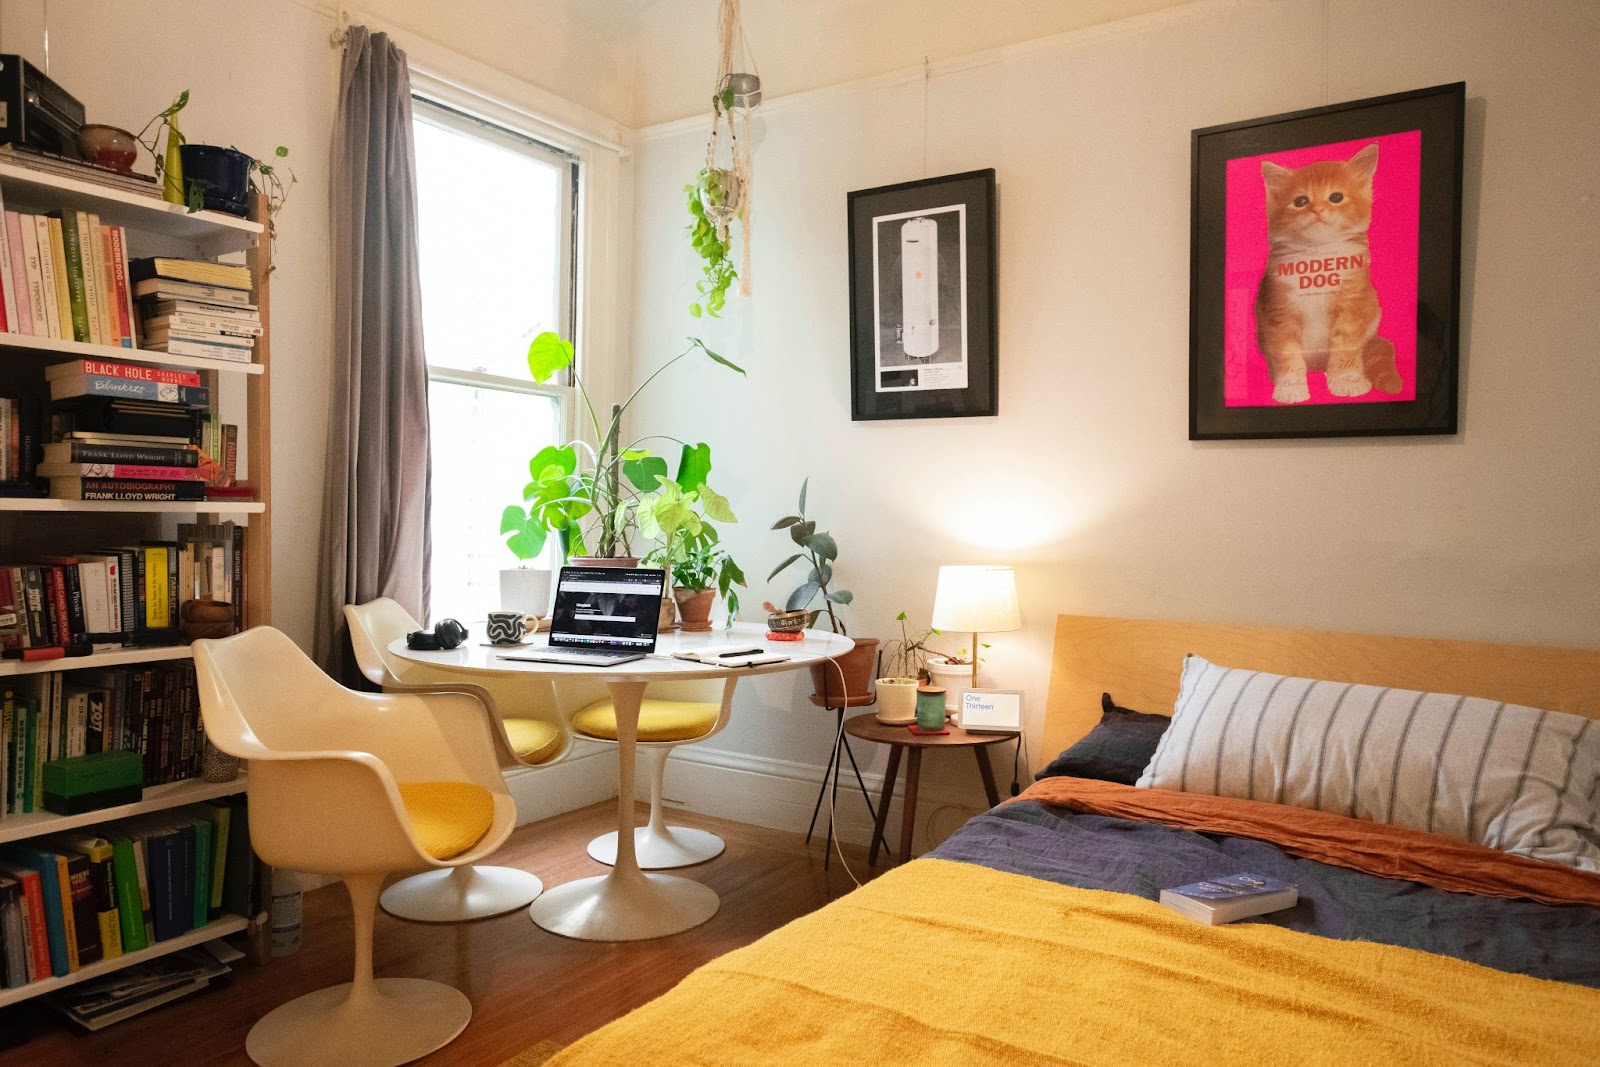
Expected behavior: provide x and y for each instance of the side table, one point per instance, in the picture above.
(899, 739)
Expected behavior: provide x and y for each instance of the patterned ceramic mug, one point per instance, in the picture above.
(506, 627)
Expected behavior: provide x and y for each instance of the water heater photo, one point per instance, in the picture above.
(919, 287)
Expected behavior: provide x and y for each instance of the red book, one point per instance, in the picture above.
(99, 368)
(117, 257)
(58, 597)
(230, 492)
(33, 893)
(119, 470)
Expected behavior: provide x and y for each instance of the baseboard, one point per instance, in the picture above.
(587, 776)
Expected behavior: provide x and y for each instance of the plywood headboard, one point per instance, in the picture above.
(1138, 661)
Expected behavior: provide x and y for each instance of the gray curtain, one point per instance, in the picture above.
(375, 508)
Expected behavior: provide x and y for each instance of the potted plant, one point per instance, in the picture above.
(952, 672)
(702, 571)
(587, 494)
(679, 515)
(819, 550)
(905, 665)
(715, 198)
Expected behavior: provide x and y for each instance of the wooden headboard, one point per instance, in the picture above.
(1138, 661)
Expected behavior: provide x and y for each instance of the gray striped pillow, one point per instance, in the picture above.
(1513, 778)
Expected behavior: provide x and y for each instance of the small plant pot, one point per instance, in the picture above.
(525, 589)
(858, 666)
(953, 678)
(897, 701)
(220, 175)
(694, 609)
(726, 204)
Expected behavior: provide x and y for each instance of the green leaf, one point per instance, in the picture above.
(801, 597)
(781, 566)
(693, 467)
(715, 505)
(786, 522)
(512, 519)
(801, 532)
(900, 617)
(822, 575)
(280, 151)
(841, 596)
(719, 359)
(528, 543)
(643, 472)
(547, 354)
(802, 508)
(695, 310)
(824, 546)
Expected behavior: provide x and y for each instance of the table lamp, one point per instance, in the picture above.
(976, 599)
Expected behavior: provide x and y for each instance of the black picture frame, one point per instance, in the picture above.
(947, 366)
(1220, 404)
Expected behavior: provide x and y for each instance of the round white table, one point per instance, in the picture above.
(626, 903)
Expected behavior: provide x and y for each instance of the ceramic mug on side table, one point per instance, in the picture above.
(506, 627)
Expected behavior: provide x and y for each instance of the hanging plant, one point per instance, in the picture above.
(721, 194)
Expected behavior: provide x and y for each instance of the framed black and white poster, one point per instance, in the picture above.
(922, 299)
(1325, 268)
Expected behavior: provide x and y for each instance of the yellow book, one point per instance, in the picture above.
(157, 605)
(102, 876)
(58, 249)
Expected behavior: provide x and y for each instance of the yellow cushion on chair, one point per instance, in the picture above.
(659, 720)
(447, 818)
(533, 741)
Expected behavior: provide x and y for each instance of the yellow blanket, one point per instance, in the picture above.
(949, 963)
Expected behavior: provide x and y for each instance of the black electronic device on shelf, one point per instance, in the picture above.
(35, 110)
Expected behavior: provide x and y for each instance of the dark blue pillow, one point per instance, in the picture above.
(1117, 750)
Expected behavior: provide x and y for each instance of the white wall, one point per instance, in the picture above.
(1086, 481)
(265, 76)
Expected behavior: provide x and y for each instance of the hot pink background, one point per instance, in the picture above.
(1396, 203)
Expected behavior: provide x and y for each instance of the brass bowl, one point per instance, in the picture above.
(790, 622)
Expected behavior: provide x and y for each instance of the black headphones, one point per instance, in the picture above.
(446, 634)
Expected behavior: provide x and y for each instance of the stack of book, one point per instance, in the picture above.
(69, 900)
(129, 595)
(35, 158)
(65, 276)
(124, 432)
(99, 1002)
(193, 307)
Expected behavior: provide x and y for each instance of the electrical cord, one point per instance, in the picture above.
(1016, 755)
(838, 739)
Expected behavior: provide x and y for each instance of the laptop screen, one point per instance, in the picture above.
(607, 608)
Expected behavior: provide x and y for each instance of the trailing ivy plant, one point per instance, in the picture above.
(819, 549)
(711, 242)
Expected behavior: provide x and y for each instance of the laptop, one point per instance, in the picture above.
(603, 616)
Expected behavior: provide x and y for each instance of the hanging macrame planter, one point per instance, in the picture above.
(720, 193)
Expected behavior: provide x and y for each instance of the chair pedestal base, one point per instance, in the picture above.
(661, 848)
(624, 905)
(391, 1021)
(460, 894)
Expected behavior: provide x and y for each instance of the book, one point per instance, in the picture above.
(100, 856)
(95, 437)
(153, 455)
(135, 490)
(1236, 896)
(38, 935)
(8, 292)
(130, 897)
(131, 991)
(124, 287)
(19, 314)
(179, 346)
(203, 272)
(12, 934)
(156, 308)
(165, 289)
(123, 415)
(100, 385)
(42, 159)
(63, 301)
(103, 368)
(77, 295)
(155, 335)
(113, 307)
(47, 277)
(119, 470)
(55, 890)
(183, 323)
(99, 301)
(37, 326)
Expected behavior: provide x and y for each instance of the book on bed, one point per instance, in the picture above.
(1236, 896)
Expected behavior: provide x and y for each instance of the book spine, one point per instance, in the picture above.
(60, 619)
(230, 452)
(85, 452)
(20, 317)
(47, 276)
(238, 569)
(38, 622)
(167, 289)
(226, 312)
(77, 624)
(38, 325)
(179, 346)
(166, 881)
(72, 242)
(8, 727)
(29, 880)
(143, 472)
(103, 877)
(87, 243)
(58, 250)
(130, 918)
(104, 368)
(8, 290)
(12, 611)
(85, 916)
(125, 489)
(179, 322)
(114, 326)
(119, 242)
(11, 923)
(102, 279)
(158, 608)
(68, 912)
(99, 385)
(33, 758)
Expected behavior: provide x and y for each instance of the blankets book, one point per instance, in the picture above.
(1236, 896)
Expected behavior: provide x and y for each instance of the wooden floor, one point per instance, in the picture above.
(526, 985)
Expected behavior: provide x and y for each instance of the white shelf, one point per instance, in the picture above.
(228, 924)
(213, 232)
(116, 658)
(156, 798)
(118, 354)
(137, 507)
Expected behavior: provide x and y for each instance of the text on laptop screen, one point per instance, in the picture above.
(607, 607)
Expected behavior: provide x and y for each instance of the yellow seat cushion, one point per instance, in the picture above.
(532, 740)
(447, 818)
(659, 720)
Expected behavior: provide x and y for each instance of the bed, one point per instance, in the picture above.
(1032, 935)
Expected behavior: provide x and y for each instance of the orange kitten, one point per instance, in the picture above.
(1316, 309)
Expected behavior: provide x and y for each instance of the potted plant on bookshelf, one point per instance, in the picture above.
(819, 551)
(905, 665)
(588, 494)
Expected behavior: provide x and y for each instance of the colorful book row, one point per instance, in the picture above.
(65, 276)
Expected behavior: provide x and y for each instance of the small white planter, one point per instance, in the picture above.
(954, 679)
(897, 700)
(525, 589)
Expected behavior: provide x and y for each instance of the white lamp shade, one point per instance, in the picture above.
(976, 600)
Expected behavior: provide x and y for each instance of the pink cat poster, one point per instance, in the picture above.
(1322, 274)
(1325, 270)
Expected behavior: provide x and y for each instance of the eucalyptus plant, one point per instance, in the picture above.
(820, 550)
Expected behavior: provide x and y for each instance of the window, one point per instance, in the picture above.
(496, 218)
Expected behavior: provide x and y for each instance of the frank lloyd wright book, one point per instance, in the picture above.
(1236, 896)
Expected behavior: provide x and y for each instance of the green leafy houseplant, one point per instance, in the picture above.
(908, 656)
(820, 550)
(586, 494)
(710, 207)
(679, 516)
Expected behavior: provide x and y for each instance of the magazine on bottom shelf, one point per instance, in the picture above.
(99, 1002)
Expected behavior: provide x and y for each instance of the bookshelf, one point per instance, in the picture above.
(32, 526)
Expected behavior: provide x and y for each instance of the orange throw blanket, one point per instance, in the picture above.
(1375, 848)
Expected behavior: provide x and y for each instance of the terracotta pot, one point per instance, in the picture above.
(858, 666)
(604, 561)
(694, 609)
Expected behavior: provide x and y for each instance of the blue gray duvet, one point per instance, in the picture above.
(1560, 942)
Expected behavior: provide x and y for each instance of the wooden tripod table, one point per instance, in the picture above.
(898, 738)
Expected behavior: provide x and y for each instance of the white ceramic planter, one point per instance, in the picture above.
(897, 700)
(954, 679)
(525, 589)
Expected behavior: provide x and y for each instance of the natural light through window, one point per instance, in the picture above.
(495, 228)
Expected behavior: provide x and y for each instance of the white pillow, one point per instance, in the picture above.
(1513, 778)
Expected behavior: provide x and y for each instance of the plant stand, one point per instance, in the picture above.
(830, 776)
